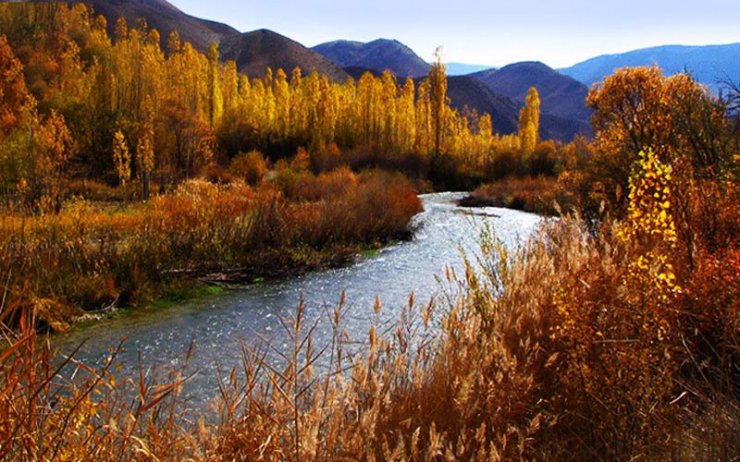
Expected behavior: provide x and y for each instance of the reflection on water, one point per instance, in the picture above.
(219, 325)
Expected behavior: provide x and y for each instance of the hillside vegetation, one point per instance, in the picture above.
(612, 335)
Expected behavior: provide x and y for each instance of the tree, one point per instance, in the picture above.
(231, 87)
(424, 119)
(406, 131)
(529, 122)
(17, 105)
(53, 149)
(282, 104)
(174, 45)
(637, 109)
(17, 121)
(632, 110)
(439, 101)
(216, 102)
(145, 149)
(121, 158)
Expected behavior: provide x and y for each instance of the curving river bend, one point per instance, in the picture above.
(219, 325)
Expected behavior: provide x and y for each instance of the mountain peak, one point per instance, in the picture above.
(378, 55)
(561, 96)
(529, 64)
(257, 50)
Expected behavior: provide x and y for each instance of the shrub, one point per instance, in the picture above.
(251, 167)
(537, 195)
(94, 256)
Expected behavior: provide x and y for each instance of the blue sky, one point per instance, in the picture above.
(559, 33)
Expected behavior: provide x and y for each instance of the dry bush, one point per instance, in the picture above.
(326, 158)
(251, 167)
(537, 195)
(94, 257)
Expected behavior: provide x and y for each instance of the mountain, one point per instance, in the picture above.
(563, 129)
(471, 92)
(377, 55)
(465, 69)
(710, 64)
(164, 17)
(255, 51)
(560, 95)
(467, 91)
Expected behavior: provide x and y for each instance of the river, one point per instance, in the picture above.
(218, 326)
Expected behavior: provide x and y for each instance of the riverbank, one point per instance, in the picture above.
(539, 371)
(90, 258)
(539, 195)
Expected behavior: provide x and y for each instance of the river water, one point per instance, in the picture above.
(218, 326)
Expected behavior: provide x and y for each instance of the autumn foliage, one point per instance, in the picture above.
(612, 335)
(181, 110)
(582, 345)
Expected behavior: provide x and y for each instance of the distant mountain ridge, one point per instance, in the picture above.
(165, 17)
(465, 69)
(471, 92)
(710, 64)
(560, 95)
(378, 55)
(253, 51)
(500, 93)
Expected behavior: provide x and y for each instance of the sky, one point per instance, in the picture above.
(556, 32)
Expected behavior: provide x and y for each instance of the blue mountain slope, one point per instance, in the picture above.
(711, 65)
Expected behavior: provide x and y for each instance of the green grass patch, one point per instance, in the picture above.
(184, 292)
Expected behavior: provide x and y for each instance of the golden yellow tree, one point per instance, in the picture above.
(216, 102)
(121, 158)
(424, 119)
(282, 104)
(145, 149)
(406, 118)
(529, 122)
(54, 145)
(439, 101)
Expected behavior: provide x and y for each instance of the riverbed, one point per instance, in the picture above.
(217, 327)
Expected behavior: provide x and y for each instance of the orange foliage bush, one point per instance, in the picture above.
(252, 167)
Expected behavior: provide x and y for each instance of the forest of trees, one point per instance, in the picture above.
(177, 111)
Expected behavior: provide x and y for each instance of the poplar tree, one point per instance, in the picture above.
(439, 101)
(121, 158)
(216, 103)
(529, 122)
(145, 149)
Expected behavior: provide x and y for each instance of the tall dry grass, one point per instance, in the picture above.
(92, 255)
(549, 354)
(613, 344)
